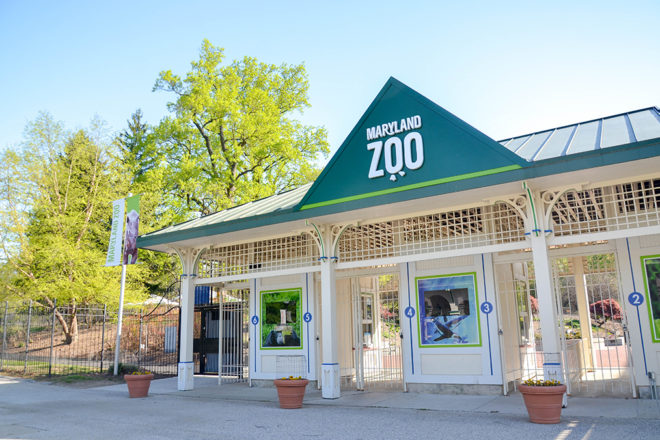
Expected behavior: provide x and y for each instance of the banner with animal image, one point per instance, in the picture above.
(113, 257)
(281, 318)
(132, 227)
(448, 313)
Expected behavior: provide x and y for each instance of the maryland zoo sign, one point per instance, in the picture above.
(398, 155)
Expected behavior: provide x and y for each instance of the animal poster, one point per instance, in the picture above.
(448, 310)
(132, 227)
(281, 317)
(651, 266)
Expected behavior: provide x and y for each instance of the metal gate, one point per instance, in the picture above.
(377, 332)
(234, 336)
(592, 326)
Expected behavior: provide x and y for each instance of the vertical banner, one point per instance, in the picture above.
(114, 247)
(132, 224)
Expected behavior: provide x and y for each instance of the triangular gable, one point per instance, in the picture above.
(402, 142)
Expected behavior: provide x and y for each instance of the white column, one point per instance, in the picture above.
(330, 358)
(186, 365)
(544, 294)
(544, 289)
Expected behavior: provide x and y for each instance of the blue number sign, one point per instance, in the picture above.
(486, 307)
(410, 311)
(636, 299)
(255, 320)
(307, 317)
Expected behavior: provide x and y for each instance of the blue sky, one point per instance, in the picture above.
(507, 68)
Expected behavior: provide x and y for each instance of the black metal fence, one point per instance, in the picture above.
(40, 340)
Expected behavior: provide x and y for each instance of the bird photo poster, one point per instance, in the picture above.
(448, 313)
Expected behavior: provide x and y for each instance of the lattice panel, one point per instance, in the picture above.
(261, 256)
(473, 227)
(608, 208)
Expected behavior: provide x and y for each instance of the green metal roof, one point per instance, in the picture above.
(286, 207)
(282, 202)
(621, 129)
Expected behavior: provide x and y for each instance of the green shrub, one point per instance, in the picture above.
(123, 369)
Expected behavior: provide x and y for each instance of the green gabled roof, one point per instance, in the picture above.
(452, 150)
(504, 167)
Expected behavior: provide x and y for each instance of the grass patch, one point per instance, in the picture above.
(72, 378)
(12, 367)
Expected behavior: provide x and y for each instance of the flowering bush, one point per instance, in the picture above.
(541, 383)
(140, 373)
(607, 308)
(292, 378)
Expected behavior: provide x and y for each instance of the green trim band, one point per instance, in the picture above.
(531, 201)
(413, 186)
(655, 337)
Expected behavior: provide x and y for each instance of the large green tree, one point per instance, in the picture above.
(141, 159)
(232, 136)
(55, 219)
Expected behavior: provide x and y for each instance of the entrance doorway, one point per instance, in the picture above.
(205, 339)
(591, 324)
(594, 332)
(375, 334)
(223, 349)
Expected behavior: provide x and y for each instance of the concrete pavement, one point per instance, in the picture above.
(37, 410)
(207, 387)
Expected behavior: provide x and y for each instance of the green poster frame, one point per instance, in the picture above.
(280, 295)
(652, 294)
(475, 308)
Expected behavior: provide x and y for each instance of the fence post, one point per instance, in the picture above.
(4, 336)
(52, 337)
(27, 338)
(105, 307)
(140, 340)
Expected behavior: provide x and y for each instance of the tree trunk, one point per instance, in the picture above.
(69, 329)
(72, 335)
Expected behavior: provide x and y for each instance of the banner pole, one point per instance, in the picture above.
(121, 313)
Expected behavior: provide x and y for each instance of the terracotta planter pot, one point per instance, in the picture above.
(138, 384)
(291, 392)
(543, 403)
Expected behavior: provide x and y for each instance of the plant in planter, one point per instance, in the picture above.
(138, 383)
(543, 400)
(291, 391)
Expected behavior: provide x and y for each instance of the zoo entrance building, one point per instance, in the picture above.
(430, 257)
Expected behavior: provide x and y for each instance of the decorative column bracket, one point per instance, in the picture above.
(550, 199)
(189, 258)
(335, 233)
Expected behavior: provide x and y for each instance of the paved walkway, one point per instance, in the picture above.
(38, 410)
(207, 387)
